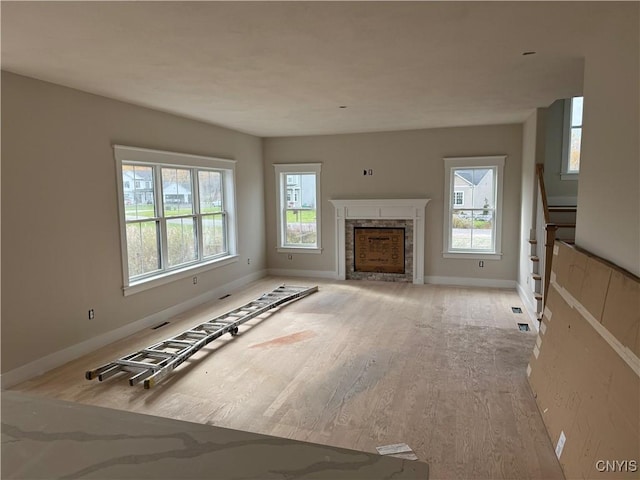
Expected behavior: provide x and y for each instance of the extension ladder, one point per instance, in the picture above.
(154, 363)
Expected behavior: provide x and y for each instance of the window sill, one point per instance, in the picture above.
(569, 176)
(299, 250)
(473, 255)
(164, 278)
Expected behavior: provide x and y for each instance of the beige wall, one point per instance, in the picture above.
(555, 186)
(406, 164)
(608, 221)
(60, 235)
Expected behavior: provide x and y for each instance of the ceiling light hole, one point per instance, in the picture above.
(529, 53)
(342, 106)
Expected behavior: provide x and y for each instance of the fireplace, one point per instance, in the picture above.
(380, 249)
(388, 233)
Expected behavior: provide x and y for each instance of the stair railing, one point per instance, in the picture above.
(550, 229)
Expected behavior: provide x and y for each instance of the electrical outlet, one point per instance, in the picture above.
(248, 261)
(195, 280)
(290, 257)
(92, 314)
(481, 264)
(370, 172)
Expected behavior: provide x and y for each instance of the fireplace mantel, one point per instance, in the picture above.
(381, 209)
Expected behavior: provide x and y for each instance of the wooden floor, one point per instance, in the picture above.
(357, 365)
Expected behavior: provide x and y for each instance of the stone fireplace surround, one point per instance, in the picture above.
(351, 273)
(382, 210)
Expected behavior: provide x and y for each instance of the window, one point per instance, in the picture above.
(473, 207)
(179, 216)
(572, 138)
(298, 207)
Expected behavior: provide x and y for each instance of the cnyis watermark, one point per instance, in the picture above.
(617, 465)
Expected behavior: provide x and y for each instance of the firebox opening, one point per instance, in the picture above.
(379, 250)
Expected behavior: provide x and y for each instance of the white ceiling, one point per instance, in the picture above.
(284, 68)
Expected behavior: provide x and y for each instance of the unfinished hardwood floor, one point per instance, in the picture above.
(356, 365)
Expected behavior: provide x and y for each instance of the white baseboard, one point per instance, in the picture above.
(471, 282)
(53, 360)
(285, 272)
(528, 306)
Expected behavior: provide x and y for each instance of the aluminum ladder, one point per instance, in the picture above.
(154, 363)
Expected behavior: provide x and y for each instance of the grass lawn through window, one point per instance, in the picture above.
(301, 227)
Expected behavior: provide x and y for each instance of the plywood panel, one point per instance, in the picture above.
(585, 389)
(621, 314)
(595, 287)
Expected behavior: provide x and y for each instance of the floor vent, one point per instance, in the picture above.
(224, 296)
(160, 326)
(516, 309)
(523, 327)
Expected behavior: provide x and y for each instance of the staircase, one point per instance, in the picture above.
(553, 222)
(563, 218)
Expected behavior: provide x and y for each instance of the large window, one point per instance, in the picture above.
(572, 138)
(298, 207)
(177, 215)
(473, 207)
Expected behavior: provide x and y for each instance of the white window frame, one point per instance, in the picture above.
(281, 170)
(566, 174)
(495, 162)
(159, 158)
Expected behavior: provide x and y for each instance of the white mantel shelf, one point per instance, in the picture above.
(382, 209)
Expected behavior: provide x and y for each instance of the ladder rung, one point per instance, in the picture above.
(176, 341)
(135, 364)
(158, 353)
(214, 328)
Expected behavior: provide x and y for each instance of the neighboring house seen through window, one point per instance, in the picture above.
(473, 206)
(572, 138)
(298, 207)
(178, 216)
